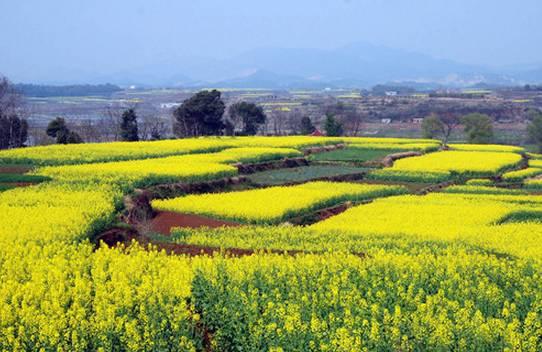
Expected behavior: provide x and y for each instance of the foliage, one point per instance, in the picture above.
(478, 127)
(200, 115)
(442, 125)
(128, 126)
(248, 115)
(432, 126)
(306, 127)
(332, 126)
(534, 130)
(58, 129)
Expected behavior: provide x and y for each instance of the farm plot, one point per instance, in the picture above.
(184, 168)
(117, 151)
(353, 154)
(302, 174)
(274, 204)
(446, 215)
(448, 164)
(446, 271)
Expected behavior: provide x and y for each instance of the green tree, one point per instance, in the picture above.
(248, 115)
(128, 126)
(200, 115)
(534, 129)
(333, 127)
(306, 126)
(58, 129)
(478, 127)
(432, 127)
(440, 126)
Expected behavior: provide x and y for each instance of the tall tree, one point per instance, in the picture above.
(13, 127)
(200, 115)
(13, 131)
(306, 127)
(534, 129)
(478, 127)
(58, 129)
(333, 127)
(128, 126)
(248, 115)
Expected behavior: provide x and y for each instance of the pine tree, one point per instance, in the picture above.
(128, 126)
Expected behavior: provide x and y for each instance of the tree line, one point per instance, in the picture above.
(205, 114)
(478, 128)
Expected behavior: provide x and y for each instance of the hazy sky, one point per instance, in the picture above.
(40, 36)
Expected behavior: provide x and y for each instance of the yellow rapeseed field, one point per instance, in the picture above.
(451, 271)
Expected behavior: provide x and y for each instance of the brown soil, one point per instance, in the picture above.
(124, 236)
(14, 169)
(164, 221)
(322, 214)
(323, 149)
(389, 159)
(18, 184)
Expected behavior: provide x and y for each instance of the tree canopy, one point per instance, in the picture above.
(58, 129)
(200, 115)
(478, 127)
(306, 127)
(247, 117)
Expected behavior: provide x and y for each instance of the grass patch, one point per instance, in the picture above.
(13, 178)
(352, 154)
(301, 174)
(4, 187)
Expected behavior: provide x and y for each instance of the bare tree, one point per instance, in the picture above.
(109, 124)
(450, 121)
(10, 100)
(293, 121)
(152, 127)
(88, 130)
(13, 125)
(278, 121)
(353, 121)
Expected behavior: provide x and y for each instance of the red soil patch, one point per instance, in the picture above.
(124, 236)
(14, 169)
(18, 184)
(164, 221)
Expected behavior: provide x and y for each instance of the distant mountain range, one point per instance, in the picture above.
(359, 65)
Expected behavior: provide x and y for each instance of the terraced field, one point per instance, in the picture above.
(435, 252)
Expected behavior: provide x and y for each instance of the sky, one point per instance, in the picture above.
(40, 37)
